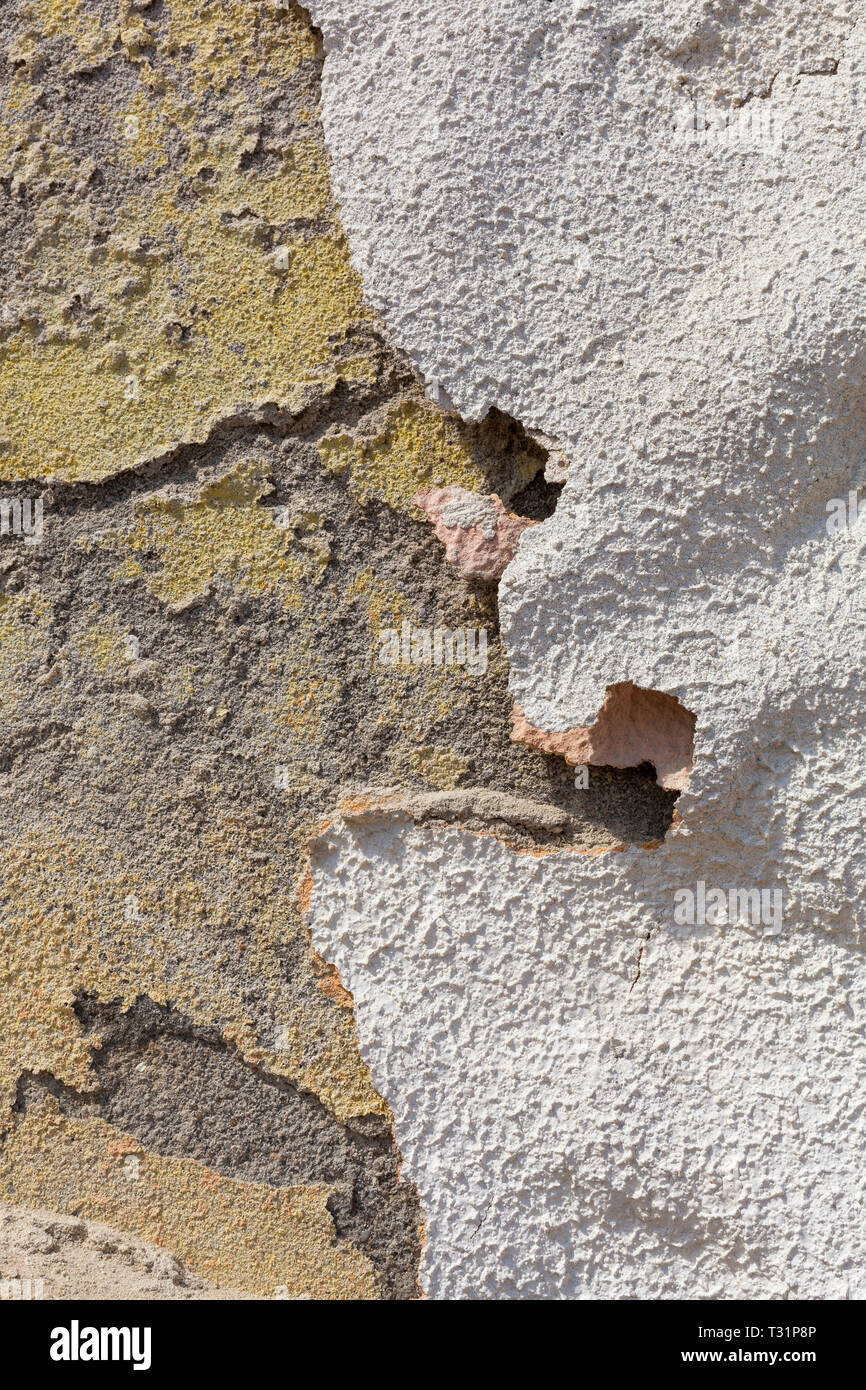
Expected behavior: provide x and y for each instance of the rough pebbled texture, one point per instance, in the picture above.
(589, 1113)
(687, 320)
(188, 672)
(685, 316)
(186, 662)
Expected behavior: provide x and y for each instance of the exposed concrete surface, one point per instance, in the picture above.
(251, 1236)
(184, 1093)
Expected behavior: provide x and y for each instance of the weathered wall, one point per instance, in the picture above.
(639, 231)
(227, 451)
(223, 723)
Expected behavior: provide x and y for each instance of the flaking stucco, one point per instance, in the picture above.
(641, 234)
(433, 590)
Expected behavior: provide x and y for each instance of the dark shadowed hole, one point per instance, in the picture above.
(537, 500)
(646, 769)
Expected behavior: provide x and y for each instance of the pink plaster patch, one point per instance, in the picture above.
(479, 535)
(633, 726)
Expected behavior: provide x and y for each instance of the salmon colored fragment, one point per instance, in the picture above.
(479, 535)
(633, 726)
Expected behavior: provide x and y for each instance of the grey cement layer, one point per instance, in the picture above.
(183, 1092)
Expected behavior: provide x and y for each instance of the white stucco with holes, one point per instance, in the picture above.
(545, 224)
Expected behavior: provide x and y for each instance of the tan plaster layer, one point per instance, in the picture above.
(254, 1237)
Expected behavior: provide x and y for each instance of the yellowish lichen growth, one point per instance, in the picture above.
(101, 915)
(103, 646)
(142, 129)
(66, 20)
(265, 1240)
(309, 690)
(218, 42)
(224, 283)
(187, 268)
(24, 624)
(411, 697)
(417, 447)
(435, 767)
(221, 534)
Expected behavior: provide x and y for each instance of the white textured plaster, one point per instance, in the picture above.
(686, 317)
(589, 1113)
